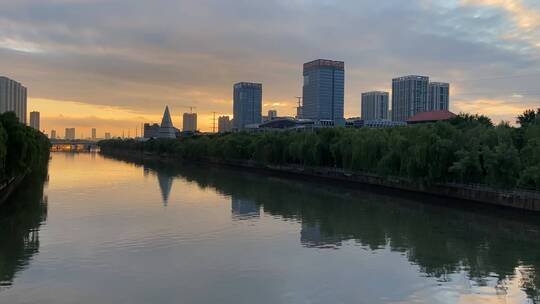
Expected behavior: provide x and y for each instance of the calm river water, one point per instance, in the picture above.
(104, 230)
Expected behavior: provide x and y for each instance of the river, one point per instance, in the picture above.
(110, 230)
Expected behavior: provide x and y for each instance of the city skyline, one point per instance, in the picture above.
(114, 75)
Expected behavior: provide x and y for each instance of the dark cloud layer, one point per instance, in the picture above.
(143, 54)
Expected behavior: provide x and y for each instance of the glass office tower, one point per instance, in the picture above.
(323, 91)
(247, 104)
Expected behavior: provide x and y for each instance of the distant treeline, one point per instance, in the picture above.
(468, 149)
(22, 149)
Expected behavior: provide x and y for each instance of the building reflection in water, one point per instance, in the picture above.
(491, 246)
(312, 237)
(146, 171)
(243, 209)
(164, 178)
(70, 155)
(165, 184)
(20, 220)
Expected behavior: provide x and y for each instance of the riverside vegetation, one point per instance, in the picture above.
(22, 149)
(468, 149)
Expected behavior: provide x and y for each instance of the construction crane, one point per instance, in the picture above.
(190, 108)
(299, 100)
(213, 122)
(298, 107)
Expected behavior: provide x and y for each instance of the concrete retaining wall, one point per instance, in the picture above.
(520, 199)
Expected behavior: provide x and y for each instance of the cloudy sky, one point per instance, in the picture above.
(115, 64)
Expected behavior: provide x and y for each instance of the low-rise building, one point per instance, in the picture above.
(354, 122)
(373, 123)
(151, 130)
(383, 123)
(272, 114)
(282, 124)
(428, 117)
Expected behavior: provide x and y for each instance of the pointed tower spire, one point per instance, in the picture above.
(166, 121)
(167, 129)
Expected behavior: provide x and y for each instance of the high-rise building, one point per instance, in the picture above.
(224, 124)
(272, 114)
(13, 98)
(166, 129)
(53, 134)
(94, 133)
(439, 96)
(409, 96)
(34, 120)
(70, 134)
(107, 135)
(374, 105)
(247, 105)
(189, 122)
(323, 91)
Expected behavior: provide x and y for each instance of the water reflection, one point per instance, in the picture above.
(312, 236)
(491, 247)
(243, 209)
(165, 184)
(165, 180)
(20, 220)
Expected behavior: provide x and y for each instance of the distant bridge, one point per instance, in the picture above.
(68, 145)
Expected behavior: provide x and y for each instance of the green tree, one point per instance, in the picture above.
(466, 149)
(529, 117)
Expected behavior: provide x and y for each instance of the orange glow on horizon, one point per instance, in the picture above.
(58, 115)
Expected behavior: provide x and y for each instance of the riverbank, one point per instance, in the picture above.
(7, 188)
(517, 199)
(23, 150)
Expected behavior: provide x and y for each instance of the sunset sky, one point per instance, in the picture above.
(115, 64)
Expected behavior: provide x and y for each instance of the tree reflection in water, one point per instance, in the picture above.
(20, 220)
(442, 237)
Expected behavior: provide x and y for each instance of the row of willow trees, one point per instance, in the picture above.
(467, 149)
(22, 149)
